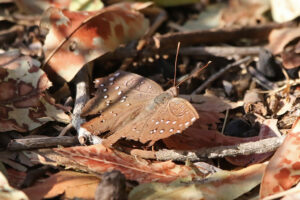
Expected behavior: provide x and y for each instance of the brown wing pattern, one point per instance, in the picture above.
(169, 118)
(120, 97)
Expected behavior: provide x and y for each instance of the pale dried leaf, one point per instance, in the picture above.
(284, 168)
(23, 105)
(225, 185)
(76, 38)
(286, 10)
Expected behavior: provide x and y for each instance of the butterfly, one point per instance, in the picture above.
(136, 108)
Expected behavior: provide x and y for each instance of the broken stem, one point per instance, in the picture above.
(81, 81)
(219, 73)
(257, 147)
(41, 142)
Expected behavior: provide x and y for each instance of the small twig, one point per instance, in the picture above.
(42, 142)
(65, 129)
(218, 74)
(225, 121)
(258, 147)
(261, 80)
(161, 16)
(221, 35)
(291, 83)
(81, 81)
(217, 51)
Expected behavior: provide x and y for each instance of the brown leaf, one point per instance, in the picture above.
(23, 105)
(72, 184)
(283, 169)
(195, 138)
(9, 193)
(279, 38)
(99, 159)
(225, 185)
(75, 38)
(290, 59)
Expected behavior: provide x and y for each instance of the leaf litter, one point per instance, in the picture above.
(251, 102)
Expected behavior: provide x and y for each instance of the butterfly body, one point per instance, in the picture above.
(136, 108)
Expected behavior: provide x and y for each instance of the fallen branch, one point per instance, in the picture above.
(81, 81)
(221, 35)
(41, 142)
(219, 73)
(217, 51)
(258, 147)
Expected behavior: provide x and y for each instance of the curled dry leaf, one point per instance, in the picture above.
(23, 105)
(225, 185)
(280, 38)
(75, 38)
(71, 184)
(99, 159)
(283, 169)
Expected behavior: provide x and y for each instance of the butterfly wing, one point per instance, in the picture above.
(167, 119)
(120, 97)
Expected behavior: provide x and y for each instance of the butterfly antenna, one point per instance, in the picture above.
(190, 76)
(177, 52)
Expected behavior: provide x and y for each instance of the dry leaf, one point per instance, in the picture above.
(286, 10)
(76, 38)
(9, 193)
(38, 6)
(23, 105)
(225, 185)
(71, 184)
(290, 58)
(279, 38)
(283, 169)
(99, 159)
(195, 138)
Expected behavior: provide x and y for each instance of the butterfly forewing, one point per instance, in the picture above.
(120, 97)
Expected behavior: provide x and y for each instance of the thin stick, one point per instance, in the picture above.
(42, 142)
(217, 51)
(175, 65)
(198, 71)
(258, 147)
(218, 74)
(261, 80)
(222, 35)
(65, 129)
(225, 121)
(81, 81)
